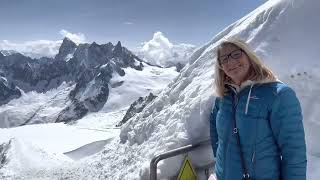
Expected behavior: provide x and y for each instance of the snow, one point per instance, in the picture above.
(42, 146)
(55, 138)
(136, 62)
(278, 31)
(68, 57)
(135, 85)
(102, 120)
(175, 117)
(25, 155)
(4, 81)
(35, 107)
(87, 150)
(66, 147)
(90, 91)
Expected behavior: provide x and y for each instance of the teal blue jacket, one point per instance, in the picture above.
(269, 120)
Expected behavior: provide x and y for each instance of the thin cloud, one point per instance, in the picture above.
(42, 48)
(128, 23)
(34, 49)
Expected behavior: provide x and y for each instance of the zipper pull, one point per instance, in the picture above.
(235, 99)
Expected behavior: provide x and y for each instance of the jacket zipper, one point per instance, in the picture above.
(235, 104)
(253, 156)
(254, 150)
(253, 163)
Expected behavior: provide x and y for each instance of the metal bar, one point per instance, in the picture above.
(171, 153)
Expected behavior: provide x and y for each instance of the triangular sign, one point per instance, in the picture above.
(186, 171)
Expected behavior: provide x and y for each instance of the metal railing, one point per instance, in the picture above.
(175, 152)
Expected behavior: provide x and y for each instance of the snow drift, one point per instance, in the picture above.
(283, 33)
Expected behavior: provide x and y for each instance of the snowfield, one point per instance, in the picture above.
(284, 33)
(35, 107)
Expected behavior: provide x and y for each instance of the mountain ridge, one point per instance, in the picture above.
(89, 66)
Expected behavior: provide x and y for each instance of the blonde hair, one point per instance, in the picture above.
(257, 72)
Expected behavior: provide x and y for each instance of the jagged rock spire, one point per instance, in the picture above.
(67, 47)
(118, 48)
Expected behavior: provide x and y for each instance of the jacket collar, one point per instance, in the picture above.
(247, 83)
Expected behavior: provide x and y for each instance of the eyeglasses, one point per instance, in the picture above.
(236, 54)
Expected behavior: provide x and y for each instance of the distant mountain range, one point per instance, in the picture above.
(89, 66)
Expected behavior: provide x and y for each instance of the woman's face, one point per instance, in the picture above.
(234, 62)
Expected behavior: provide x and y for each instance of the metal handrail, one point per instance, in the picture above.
(171, 153)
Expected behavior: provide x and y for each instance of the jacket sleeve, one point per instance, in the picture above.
(287, 126)
(213, 130)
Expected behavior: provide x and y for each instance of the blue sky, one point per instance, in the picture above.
(130, 21)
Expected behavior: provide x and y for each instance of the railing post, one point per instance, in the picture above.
(153, 168)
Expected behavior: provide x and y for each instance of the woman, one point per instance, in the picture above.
(256, 122)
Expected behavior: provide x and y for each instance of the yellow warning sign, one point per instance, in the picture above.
(187, 172)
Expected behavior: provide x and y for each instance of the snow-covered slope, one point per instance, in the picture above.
(34, 147)
(138, 84)
(80, 80)
(33, 107)
(283, 32)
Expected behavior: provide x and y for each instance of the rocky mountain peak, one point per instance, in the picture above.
(67, 47)
(94, 44)
(118, 44)
(88, 66)
(68, 43)
(118, 48)
(109, 44)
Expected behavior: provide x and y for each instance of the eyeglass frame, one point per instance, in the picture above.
(229, 55)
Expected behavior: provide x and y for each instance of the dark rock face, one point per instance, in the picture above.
(89, 66)
(32, 74)
(67, 47)
(4, 148)
(179, 66)
(8, 91)
(137, 107)
(73, 112)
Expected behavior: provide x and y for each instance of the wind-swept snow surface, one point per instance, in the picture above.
(34, 149)
(33, 107)
(48, 150)
(283, 32)
(137, 84)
